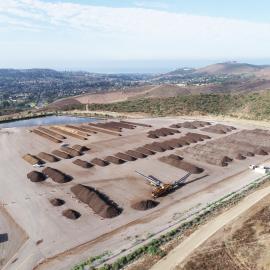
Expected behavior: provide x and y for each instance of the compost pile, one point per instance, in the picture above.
(99, 162)
(61, 154)
(178, 162)
(52, 133)
(57, 202)
(97, 201)
(154, 147)
(162, 132)
(70, 151)
(82, 163)
(145, 205)
(35, 176)
(46, 136)
(125, 157)
(71, 214)
(219, 129)
(135, 154)
(56, 175)
(145, 151)
(80, 148)
(114, 160)
(32, 159)
(239, 145)
(191, 124)
(48, 157)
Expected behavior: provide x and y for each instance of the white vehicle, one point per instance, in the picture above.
(37, 165)
(260, 169)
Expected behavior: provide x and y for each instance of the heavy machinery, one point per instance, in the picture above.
(162, 188)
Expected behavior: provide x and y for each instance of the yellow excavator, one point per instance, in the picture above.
(162, 188)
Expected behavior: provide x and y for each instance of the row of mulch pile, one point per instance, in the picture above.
(149, 149)
(74, 151)
(239, 146)
(219, 129)
(100, 203)
(191, 124)
(161, 132)
(177, 161)
(46, 136)
(52, 133)
(56, 175)
(47, 157)
(188, 139)
(70, 152)
(121, 158)
(82, 163)
(31, 159)
(116, 126)
(65, 153)
(61, 154)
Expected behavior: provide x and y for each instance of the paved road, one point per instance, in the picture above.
(181, 252)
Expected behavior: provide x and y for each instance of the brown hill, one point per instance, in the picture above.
(241, 77)
(232, 68)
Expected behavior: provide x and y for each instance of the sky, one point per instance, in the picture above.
(132, 35)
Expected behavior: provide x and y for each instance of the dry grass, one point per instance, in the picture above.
(241, 245)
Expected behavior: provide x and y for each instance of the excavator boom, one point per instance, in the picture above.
(160, 187)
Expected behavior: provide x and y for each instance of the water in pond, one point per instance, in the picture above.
(48, 120)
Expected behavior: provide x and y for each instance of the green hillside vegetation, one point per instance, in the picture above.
(250, 106)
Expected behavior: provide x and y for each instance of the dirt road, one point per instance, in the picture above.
(186, 248)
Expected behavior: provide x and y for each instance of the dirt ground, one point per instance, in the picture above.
(55, 242)
(12, 237)
(132, 93)
(242, 244)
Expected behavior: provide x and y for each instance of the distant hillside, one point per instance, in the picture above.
(233, 68)
(166, 91)
(35, 88)
(250, 106)
(29, 73)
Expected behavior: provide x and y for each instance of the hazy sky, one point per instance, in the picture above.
(87, 34)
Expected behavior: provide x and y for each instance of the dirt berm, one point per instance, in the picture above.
(96, 200)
